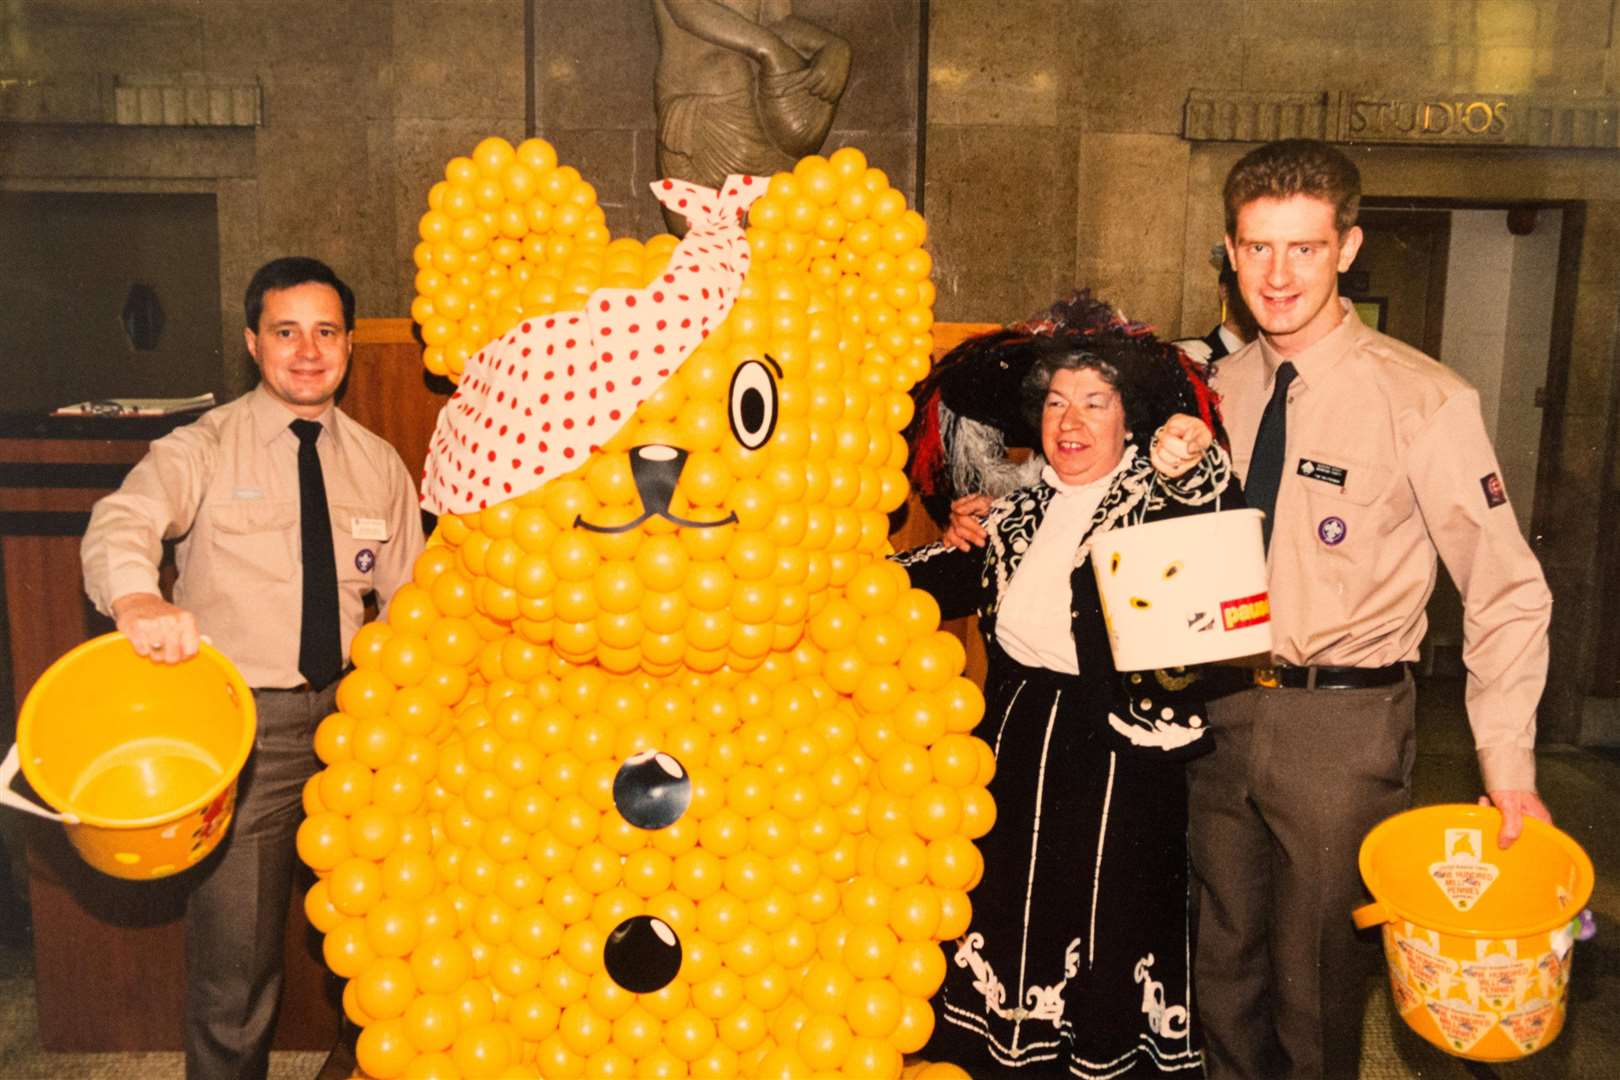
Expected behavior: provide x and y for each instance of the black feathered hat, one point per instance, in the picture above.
(982, 380)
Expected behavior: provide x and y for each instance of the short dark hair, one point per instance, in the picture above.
(1288, 167)
(285, 273)
(1153, 381)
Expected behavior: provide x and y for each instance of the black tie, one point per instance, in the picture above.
(320, 640)
(1265, 467)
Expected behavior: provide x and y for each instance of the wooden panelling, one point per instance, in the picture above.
(74, 451)
(390, 392)
(109, 957)
(32, 500)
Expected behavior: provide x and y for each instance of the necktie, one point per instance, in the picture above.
(320, 641)
(1265, 468)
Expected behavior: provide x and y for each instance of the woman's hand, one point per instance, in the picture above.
(1177, 446)
(966, 529)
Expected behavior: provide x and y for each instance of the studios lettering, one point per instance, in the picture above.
(1484, 119)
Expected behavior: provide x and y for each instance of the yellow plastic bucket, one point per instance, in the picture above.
(1479, 941)
(140, 759)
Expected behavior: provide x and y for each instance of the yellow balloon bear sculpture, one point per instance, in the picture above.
(659, 785)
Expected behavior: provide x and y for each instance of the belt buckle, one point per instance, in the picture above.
(1267, 677)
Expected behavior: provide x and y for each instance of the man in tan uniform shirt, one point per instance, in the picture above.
(227, 487)
(1386, 463)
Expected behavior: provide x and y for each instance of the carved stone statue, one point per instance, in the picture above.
(742, 87)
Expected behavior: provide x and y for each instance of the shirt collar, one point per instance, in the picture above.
(271, 418)
(1314, 363)
(1232, 342)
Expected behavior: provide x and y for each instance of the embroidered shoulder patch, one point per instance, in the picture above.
(1321, 470)
(1495, 493)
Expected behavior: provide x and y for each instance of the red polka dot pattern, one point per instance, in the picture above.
(592, 363)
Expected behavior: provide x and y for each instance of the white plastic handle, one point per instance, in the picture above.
(8, 772)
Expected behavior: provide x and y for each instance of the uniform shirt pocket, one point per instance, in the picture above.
(360, 533)
(1331, 474)
(255, 539)
(1342, 495)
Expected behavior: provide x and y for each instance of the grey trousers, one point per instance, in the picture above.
(236, 917)
(1276, 817)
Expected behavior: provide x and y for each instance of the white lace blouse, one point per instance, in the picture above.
(1034, 622)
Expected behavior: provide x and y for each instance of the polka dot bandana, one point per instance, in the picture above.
(535, 403)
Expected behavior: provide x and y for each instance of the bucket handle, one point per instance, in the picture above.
(8, 772)
(1371, 915)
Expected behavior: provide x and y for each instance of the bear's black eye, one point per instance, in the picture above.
(753, 402)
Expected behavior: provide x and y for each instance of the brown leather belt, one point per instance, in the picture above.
(1330, 678)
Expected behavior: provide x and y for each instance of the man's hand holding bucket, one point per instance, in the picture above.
(158, 630)
(1515, 807)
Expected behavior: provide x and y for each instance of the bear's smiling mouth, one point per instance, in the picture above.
(656, 469)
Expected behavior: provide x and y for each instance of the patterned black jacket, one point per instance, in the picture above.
(1150, 711)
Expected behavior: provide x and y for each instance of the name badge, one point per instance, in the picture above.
(1321, 470)
(368, 528)
(247, 493)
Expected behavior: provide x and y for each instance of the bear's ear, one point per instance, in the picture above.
(510, 234)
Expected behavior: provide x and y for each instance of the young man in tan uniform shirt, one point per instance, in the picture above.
(1385, 464)
(227, 487)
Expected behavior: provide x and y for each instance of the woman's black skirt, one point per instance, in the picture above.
(1078, 959)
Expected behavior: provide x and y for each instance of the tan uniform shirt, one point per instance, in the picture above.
(227, 487)
(1387, 463)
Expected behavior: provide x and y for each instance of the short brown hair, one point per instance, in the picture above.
(289, 272)
(1288, 167)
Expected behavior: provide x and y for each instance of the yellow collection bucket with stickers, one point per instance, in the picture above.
(138, 759)
(1479, 940)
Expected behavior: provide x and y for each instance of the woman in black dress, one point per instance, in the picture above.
(1077, 960)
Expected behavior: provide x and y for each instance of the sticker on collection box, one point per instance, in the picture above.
(1406, 998)
(1425, 968)
(1527, 1026)
(1462, 875)
(1498, 978)
(1462, 1025)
